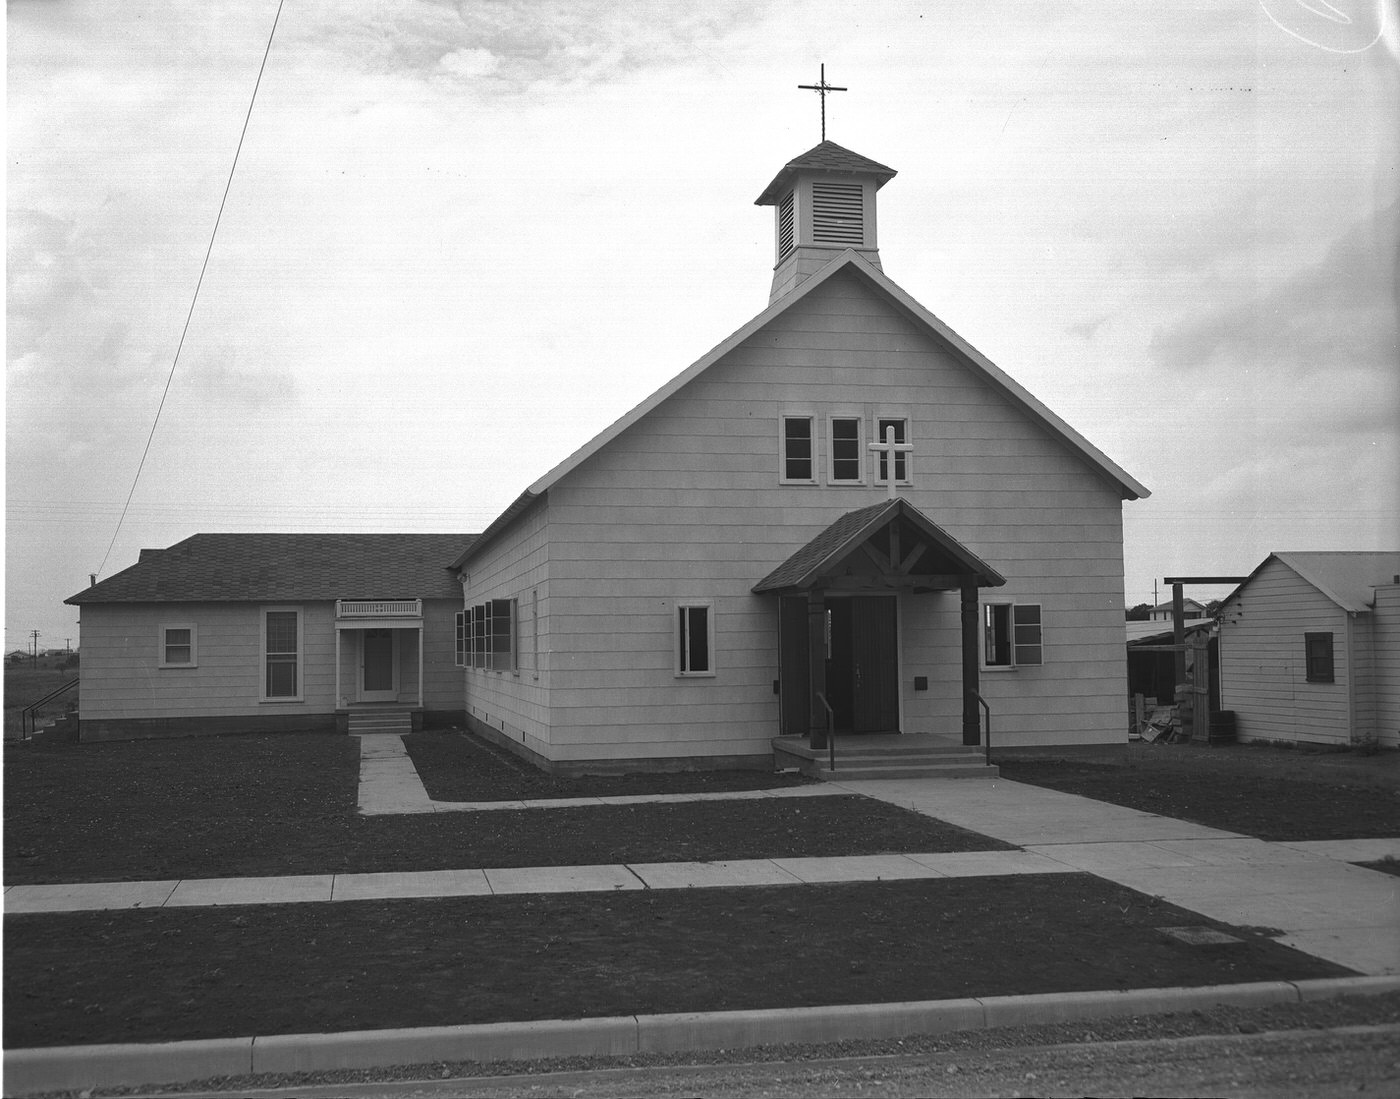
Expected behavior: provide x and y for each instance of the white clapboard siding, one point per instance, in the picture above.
(686, 505)
(1263, 670)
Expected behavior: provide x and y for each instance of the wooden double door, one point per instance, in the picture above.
(861, 663)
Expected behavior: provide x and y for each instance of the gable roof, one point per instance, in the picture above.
(826, 157)
(275, 568)
(1347, 577)
(828, 549)
(854, 262)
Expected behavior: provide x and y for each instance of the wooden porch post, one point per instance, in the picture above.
(971, 720)
(816, 647)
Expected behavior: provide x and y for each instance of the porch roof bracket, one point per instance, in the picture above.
(813, 563)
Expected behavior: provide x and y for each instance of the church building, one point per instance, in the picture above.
(842, 518)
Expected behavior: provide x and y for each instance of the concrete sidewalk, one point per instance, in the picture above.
(1324, 906)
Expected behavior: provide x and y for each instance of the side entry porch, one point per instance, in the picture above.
(379, 665)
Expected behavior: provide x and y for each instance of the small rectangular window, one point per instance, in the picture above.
(1011, 635)
(282, 654)
(461, 639)
(799, 446)
(177, 646)
(1318, 653)
(901, 463)
(693, 640)
(846, 456)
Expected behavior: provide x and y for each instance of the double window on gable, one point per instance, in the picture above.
(840, 455)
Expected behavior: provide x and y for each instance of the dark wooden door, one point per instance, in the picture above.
(874, 666)
(794, 666)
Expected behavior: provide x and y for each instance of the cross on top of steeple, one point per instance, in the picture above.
(821, 87)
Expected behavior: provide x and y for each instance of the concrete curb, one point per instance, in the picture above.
(74, 1067)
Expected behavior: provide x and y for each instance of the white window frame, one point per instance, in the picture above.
(300, 695)
(461, 640)
(907, 456)
(1018, 650)
(163, 645)
(861, 451)
(507, 660)
(680, 633)
(811, 418)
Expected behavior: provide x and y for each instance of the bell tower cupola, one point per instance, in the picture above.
(824, 202)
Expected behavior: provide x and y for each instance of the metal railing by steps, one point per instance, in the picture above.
(885, 756)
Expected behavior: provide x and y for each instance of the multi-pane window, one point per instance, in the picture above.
(461, 641)
(502, 634)
(901, 463)
(282, 654)
(1317, 649)
(799, 449)
(693, 640)
(846, 457)
(1011, 635)
(177, 646)
(489, 639)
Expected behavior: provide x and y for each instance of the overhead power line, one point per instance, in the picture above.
(195, 297)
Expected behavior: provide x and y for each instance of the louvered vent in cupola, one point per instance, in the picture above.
(785, 226)
(838, 213)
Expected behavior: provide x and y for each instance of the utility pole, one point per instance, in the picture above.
(34, 657)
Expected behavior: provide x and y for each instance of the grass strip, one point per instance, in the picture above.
(178, 974)
(457, 766)
(1268, 808)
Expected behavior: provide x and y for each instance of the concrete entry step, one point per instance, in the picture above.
(363, 722)
(884, 756)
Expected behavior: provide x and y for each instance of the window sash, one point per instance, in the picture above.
(695, 655)
(503, 635)
(1319, 658)
(846, 457)
(460, 639)
(282, 655)
(901, 463)
(1012, 635)
(799, 449)
(177, 646)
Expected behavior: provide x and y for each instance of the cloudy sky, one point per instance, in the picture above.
(464, 237)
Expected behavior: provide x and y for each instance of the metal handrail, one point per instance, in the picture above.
(987, 740)
(29, 715)
(830, 732)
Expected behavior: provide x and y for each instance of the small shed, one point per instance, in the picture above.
(1310, 649)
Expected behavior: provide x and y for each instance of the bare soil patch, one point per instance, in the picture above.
(457, 766)
(196, 973)
(234, 806)
(1270, 793)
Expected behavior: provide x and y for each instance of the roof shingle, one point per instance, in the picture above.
(222, 568)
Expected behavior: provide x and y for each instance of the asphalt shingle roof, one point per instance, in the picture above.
(826, 157)
(224, 568)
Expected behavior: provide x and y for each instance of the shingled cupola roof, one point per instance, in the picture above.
(825, 203)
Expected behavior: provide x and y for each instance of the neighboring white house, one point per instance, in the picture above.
(1191, 610)
(273, 632)
(727, 560)
(1310, 649)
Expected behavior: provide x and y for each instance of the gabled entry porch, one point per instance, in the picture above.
(379, 664)
(841, 598)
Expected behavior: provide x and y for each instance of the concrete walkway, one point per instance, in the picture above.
(1324, 905)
